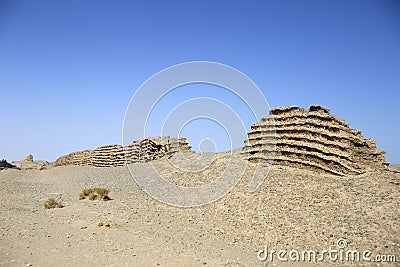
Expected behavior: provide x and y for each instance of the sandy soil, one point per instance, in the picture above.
(291, 210)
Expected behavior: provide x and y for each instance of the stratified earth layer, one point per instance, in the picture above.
(312, 139)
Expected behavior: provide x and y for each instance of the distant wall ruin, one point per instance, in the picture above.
(292, 136)
(145, 150)
(312, 139)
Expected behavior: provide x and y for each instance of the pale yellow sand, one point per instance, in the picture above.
(291, 210)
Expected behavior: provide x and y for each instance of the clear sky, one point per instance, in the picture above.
(68, 69)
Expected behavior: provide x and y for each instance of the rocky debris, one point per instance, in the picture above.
(394, 168)
(28, 158)
(312, 139)
(29, 164)
(34, 165)
(5, 165)
(144, 150)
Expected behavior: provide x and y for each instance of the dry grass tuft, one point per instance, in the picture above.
(96, 193)
(52, 203)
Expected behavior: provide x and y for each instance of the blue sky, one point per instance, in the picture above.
(68, 69)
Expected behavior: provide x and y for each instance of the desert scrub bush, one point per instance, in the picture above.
(98, 193)
(52, 203)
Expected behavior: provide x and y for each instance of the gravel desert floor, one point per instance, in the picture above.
(292, 210)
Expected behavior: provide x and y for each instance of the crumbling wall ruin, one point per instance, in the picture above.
(144, 150)
(153, 148)
(108, 156)
(312, 139)
(81, 158)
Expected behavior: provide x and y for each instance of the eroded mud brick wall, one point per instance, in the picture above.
(172, 145)
(145, 150)
(108, 156)
(81, 158)
(313, 139)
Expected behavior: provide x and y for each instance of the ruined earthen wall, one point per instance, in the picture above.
(312, 139)
(81, 158)
(145, 150)
(108, 156)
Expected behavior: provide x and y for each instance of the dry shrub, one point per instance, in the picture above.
(52, 203)
(96, 193)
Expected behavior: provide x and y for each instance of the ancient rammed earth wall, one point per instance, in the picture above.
(148, 149)
(312, 139)
(291, 136)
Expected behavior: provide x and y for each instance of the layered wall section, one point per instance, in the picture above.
(144, 150)
(313, 139)
(171, 145)
(81, 158)
(108, 156)
(153, 148)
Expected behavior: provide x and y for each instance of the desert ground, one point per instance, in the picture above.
(292, 209)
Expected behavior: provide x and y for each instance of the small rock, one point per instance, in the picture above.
(28, 158)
